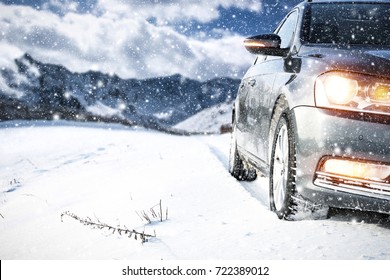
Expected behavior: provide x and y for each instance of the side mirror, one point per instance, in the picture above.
(266, 44)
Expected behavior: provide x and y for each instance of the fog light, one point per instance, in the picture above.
(356, 169)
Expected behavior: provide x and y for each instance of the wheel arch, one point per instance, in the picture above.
(280, 105)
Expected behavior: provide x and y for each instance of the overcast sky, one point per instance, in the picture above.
(199, 39)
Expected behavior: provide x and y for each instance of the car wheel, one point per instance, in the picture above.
(285, 200)
(237, 167)
(282, 170)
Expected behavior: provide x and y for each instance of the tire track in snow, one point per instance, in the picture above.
(219, 147)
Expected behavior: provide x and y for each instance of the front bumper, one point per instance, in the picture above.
(324, 133)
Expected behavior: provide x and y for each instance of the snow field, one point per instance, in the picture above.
(111, 173)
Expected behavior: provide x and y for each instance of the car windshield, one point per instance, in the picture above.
(349, 23)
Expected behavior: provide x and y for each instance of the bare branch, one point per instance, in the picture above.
(154, 214)
(99, 225)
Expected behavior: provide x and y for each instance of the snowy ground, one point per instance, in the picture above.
(112, 172)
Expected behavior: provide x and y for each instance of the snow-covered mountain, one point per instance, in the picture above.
(34, 90)
(215, 119)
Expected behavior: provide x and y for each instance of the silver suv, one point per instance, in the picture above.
(313, 111)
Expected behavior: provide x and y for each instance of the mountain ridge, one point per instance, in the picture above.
(34, 90)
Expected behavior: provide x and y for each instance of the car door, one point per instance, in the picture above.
(260, 94)
(258, 86)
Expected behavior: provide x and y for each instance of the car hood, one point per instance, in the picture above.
(353, 59)
(385, 54)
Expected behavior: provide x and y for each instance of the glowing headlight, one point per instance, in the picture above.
(338, 90)
(352, 92)
(380, 93)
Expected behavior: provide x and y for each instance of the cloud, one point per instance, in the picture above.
(119, 40)
(62, 6)
(176, 10)
(202, 10)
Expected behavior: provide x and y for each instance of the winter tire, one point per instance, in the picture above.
(282, 170)
(285, 200)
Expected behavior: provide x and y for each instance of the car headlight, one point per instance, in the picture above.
(350, 91)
